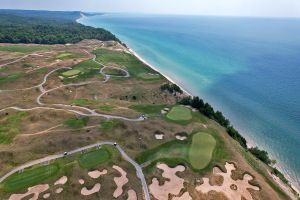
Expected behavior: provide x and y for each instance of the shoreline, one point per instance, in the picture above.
(250, 144)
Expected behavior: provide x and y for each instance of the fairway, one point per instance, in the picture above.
(94, 158)
(23, 49)
(180, 113)
(71, 72)
(201, 150)
(29, 178)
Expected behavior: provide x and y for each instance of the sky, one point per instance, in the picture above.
(263, 8)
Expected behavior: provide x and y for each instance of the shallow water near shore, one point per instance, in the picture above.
(249, 68)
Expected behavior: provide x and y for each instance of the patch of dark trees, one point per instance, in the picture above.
(171, 88)
(47, 27)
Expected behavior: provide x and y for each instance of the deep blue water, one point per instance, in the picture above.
(249, 68)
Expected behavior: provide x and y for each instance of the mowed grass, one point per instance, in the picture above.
(67, 55)
(10, 126)
(94, 158)
(134, 66)
(180, 113)
(197, 153)
(201, 150)
(76, 122)
(23, 48)
(71, 72)
(30, 177)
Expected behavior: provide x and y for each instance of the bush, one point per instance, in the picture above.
(171, 88)
(261, 155)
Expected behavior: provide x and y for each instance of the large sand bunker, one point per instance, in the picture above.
(63, 180)
(86, 192)
(96, 174)
(131, 195)
(185, 196)
(172, 186)
(35, 190)
(120, 181)
(233, 189)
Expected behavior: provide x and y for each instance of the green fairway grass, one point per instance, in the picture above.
(65, 56)
(29, 178)
(12, 77)
(134, 66)
(201, 151)
(107, 108)
(10, 126)
(149, 76)
(23, 49)
(180, 113)
(71, 72)
(76, 123)
(94, 158)
(109, 124)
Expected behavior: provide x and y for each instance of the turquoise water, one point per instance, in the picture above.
(249, 68)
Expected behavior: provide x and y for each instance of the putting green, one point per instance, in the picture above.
(201, 150)
(94, 158)
(71, 72)
(180, 113)
(29, 178)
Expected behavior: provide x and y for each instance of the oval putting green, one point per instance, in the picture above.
(71, 72)
(180, 113)
(201, 150)
(94, 158)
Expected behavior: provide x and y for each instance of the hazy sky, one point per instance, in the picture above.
(278, 8)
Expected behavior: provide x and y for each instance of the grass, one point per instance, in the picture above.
(114, 72)
(10, 126)
(65, 56)
(71, 72)
(94, 158)
(23, 48)
(89, 102)
(180, 113)
(87, 69)
(109, 124)
(29, 178)
(148, 109)
(149, 76)
(107, 108)
(201, 151)
(9, 78)
(76, 123)
(135, 67)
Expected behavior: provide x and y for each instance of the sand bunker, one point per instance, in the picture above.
(81, 181)
(159, 136)
(96, 174)
(233, 189)
(46, 196)
(120, 181)
(178, 137)
(172, 186)
(63, 180)
(131, 195)
(185, 196)
(35, 190)
(86, 192)
(59, 190)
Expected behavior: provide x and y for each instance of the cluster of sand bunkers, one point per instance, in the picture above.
(173, 184)
(120, 182)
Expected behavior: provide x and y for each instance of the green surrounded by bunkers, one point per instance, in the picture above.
(196, 151)
(94, 158)
(29, 177)
(201, 150)
(180, 113)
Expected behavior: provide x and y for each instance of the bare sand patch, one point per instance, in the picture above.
(131, 195)
(35, 190)
(185, 196)
(46, 196)
(81, 181)
(172, 186)
(59, 190)
(178, 137)
(86, 192)
(96, 173)
(120, 181)
(159, 136)
(63, 180)
(233, 189)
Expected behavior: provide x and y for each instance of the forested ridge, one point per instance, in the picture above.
(46, 27)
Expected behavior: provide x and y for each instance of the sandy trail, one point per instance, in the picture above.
(120, 181)
(173, 185)
(233, 189)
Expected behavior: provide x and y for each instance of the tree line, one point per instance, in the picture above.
(47, 29)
